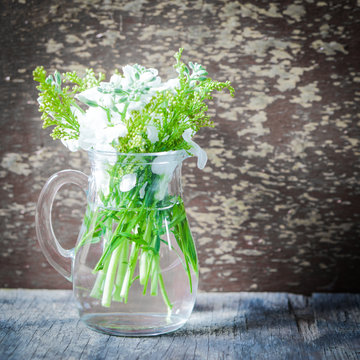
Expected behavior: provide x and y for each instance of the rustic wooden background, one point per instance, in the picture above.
(278, 206)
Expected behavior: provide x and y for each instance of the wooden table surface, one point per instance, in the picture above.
(43, 324)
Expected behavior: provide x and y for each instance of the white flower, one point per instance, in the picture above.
(128, 181)
(162, 188)
(137, 104)
(71, 144)
(132, 91)
(152, 133)
(139, 85)
(107, 101)
(198, 71)
(171, 85)
(92, 124)
(96, 132)
(93, 97)
(115, 118)
(102, 178)
(139, 77)
(195, 148)
(129, 76)
(116, 80)
(120, 107)
(164, 165)
(90, 97)
(113, 133)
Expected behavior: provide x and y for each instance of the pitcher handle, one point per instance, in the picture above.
(55, 254)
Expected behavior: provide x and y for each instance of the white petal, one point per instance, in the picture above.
(195, 148)
(164, 165)
(152, 133)
(128, 181)
(116, 80)
(156, 82)
(120, 107)
(112, 133)
(86, 142)
(92, 124)
(129, 74)
(103, 147)
(115, 117)
(153, 71)
(120, 130)
(76, 112)
(173, 83)
(135, 105)
(95, 117)
(71, 144)
(102, 178)
(107, 101)
(163, 187)
(142, 190)
(147, 76)
(91, 94)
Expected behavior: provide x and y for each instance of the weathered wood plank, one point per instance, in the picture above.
(43, 324)
(341, 315)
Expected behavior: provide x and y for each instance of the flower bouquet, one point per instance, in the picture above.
(137, 130)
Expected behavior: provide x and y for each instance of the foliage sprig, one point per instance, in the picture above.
(57, 103)
(137, 98)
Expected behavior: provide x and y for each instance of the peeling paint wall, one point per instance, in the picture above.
(277, 207)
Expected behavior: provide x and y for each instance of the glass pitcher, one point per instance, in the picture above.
(134, 267)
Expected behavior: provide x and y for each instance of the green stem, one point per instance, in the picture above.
(147, 273)
(143, 267)
(164, 293)
(137, 226)
(112, 244)
(97, 289)
(129, 272)
(110, 276)
(123, 264)
(154, 275)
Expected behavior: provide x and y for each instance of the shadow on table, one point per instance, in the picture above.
(321, 322)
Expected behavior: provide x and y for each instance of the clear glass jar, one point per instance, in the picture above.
(134, 267)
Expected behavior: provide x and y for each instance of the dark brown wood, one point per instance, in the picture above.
(43, 324)
(278, 206)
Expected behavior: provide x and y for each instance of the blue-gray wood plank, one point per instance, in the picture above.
(43, 324)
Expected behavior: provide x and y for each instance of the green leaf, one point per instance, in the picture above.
(119, 91)
(57, 77)
(49, 80)
(57, 102)
(88, 102)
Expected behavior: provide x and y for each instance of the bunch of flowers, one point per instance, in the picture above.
(134, 113)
